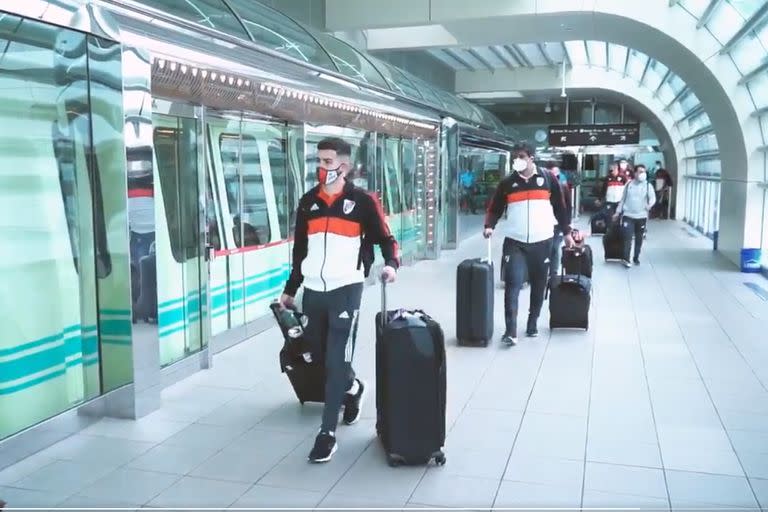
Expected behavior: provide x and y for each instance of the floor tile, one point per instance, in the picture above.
(696, 489)
(520, 494)
(151, 428)
(23, 468)
(106, 451)
(177, 460)
(545, 470)
(83, 502)
(263, 496)
(624, 453)
(65, 477)
(599, 499)
(129, 486)
(476, 463)
(190, 492)
(625, 480)
(26, 498)
(701, 460)
(440, 489)
(760, 488)
(206, 437)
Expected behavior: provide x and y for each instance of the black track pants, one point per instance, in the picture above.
(519, 256)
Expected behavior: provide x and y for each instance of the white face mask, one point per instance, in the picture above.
(520, 164)
(623, 167)
(642, 176)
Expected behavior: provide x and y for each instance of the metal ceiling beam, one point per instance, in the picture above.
(482, 59)
(544, 54)
(752, 24)
(751, 75)
(663, 81)
(677, 97)
(519, 54)
(645, 71)
(699, 133)
(706, 155)
(626, 62)
(566, 55)
(459, 59)
(607, 56)
(708, 12)
(586, 50)
(503, 58)
(759, 112)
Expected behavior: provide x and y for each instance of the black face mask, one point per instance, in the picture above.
(327, 176)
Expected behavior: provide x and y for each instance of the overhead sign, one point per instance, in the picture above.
(593, 134)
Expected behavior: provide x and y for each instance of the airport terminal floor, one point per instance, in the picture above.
(662, 404)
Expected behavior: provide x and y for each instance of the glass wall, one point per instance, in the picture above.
(64, 287)
(702, 204)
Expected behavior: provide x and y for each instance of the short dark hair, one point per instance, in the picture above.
(524, 146)
(640, 166)
(552, 165)
(340, 146)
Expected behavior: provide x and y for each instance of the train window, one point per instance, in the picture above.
(279, 170)
(176, 154)
(245, 189)
(212, 216)
(211, 14)
(280, 33)
(295, 173)
(409, 174)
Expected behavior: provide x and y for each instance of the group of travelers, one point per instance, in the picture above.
(338, 223)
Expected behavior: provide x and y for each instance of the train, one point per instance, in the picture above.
(153, 156)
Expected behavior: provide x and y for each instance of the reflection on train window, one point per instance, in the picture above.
(409, 174)
(279, 170)
(391, 161)
(212, 220)
(245, 190)
(212, 14)
(176, 152)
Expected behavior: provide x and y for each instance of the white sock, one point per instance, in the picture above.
(354, 388)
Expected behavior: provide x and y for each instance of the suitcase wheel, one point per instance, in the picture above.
(394, 460)
(440, 459)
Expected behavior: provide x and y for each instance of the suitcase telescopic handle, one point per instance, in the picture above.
(383, 302)
(490, 260)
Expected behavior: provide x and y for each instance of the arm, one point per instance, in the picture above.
(651, 196)
(377, 230)
(604, 189)
(299, 253)
(559, 208)
(620, 207)
(496, 208)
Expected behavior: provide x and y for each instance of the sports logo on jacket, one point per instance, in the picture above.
(348, 206)
(314, 208)
(540, 181)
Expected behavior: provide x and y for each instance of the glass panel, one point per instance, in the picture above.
(597, 55)
(655, 74)
(758, 88)
(676, 83)
(349, 61)
(666, 94)
(179, 255)
(207, 13)
(295, 174)
(695, 7)
(689, 101)
(396, 80)
(748, 54)
(725, 22)
(577, 51)
(279, 32)
(698, 122)
(533, 54)
(426, 91)
(746, 8)
(637, 61)
(606, 113)
(708, 167)
(762, 35)
(618, 56)
(764, 126)
(60, 234)
(705, 143)
(555, 51)
(489, 57)
(764, 236)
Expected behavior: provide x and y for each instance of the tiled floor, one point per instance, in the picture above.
(662, 404)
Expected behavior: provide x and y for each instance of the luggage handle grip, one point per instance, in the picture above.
(383, 301)
(490, 258)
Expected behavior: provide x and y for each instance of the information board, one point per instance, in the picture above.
(593, 134)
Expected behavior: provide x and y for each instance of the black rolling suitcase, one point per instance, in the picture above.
(569, 300)
(145, 307)
(613, 242)
(410, 386)
(577, 260)
(305, 370)
(474, 301)
(599, 222)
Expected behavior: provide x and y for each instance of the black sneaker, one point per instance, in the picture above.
(637, 261)
(532, 331)
(509, 340)
(325, 447)
(353, 404)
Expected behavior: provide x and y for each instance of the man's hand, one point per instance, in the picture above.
(616, 216)
(568, 240)
(388, 274)
(286, 301)
(487, 232)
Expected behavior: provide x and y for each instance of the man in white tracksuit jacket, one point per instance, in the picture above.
(638, 199)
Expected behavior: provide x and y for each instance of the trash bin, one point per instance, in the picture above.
(750, 260)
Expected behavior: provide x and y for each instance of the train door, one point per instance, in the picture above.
(389, 151)
(181, 269)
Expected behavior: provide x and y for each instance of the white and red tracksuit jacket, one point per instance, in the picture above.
(328, 242)
(533, 206)
(613, 187)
